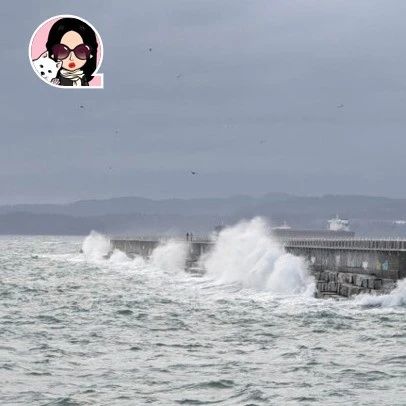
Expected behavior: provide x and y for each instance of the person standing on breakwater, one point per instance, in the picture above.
(187, 236)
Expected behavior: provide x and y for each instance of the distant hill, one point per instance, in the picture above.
(136, 215)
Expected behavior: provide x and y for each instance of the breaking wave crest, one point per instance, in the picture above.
(169, 255)
(96, 246)
(395, 298)
(246, 254)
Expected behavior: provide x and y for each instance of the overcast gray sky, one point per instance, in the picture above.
(254, 111)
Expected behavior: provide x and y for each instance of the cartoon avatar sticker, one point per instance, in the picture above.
(67, 51)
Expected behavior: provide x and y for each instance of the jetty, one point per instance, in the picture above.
(341, 266)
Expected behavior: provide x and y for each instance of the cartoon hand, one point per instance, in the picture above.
(55, 81)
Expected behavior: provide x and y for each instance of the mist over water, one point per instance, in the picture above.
(86, 328)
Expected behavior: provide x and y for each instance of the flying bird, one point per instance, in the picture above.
(178, 76)
(82, 106)
(340, 106)
(193, 172)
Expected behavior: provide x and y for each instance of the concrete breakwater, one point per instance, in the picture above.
(341, 267)
(347, 284)
(347, 267)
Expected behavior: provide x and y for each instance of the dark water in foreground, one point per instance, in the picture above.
(120, 332)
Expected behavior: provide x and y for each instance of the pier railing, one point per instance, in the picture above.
(326, 243)
(351, 244)
(200, 239)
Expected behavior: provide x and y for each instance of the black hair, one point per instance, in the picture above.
(64, 25)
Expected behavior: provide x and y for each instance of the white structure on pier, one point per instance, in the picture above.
(337, 224)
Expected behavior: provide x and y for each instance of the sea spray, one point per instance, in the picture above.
(119, 257)
(395, 298)
(170, 255)
(96, 246)
(246, 254)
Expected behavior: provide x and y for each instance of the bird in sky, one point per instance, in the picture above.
(340, 106)
(193, 172)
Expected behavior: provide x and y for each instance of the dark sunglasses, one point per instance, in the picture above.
(61, 51)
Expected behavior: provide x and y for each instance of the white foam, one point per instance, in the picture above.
(170, 256)
(96, 246)
(244, 254)
(247, 254)
(395, 298)
(119, 257)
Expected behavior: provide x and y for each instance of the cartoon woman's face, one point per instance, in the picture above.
(72, 40)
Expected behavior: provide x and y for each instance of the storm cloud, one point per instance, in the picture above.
(298, 96)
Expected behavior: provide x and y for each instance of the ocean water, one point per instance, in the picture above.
(79, 329)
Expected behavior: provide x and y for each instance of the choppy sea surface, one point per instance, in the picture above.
(79, 329)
